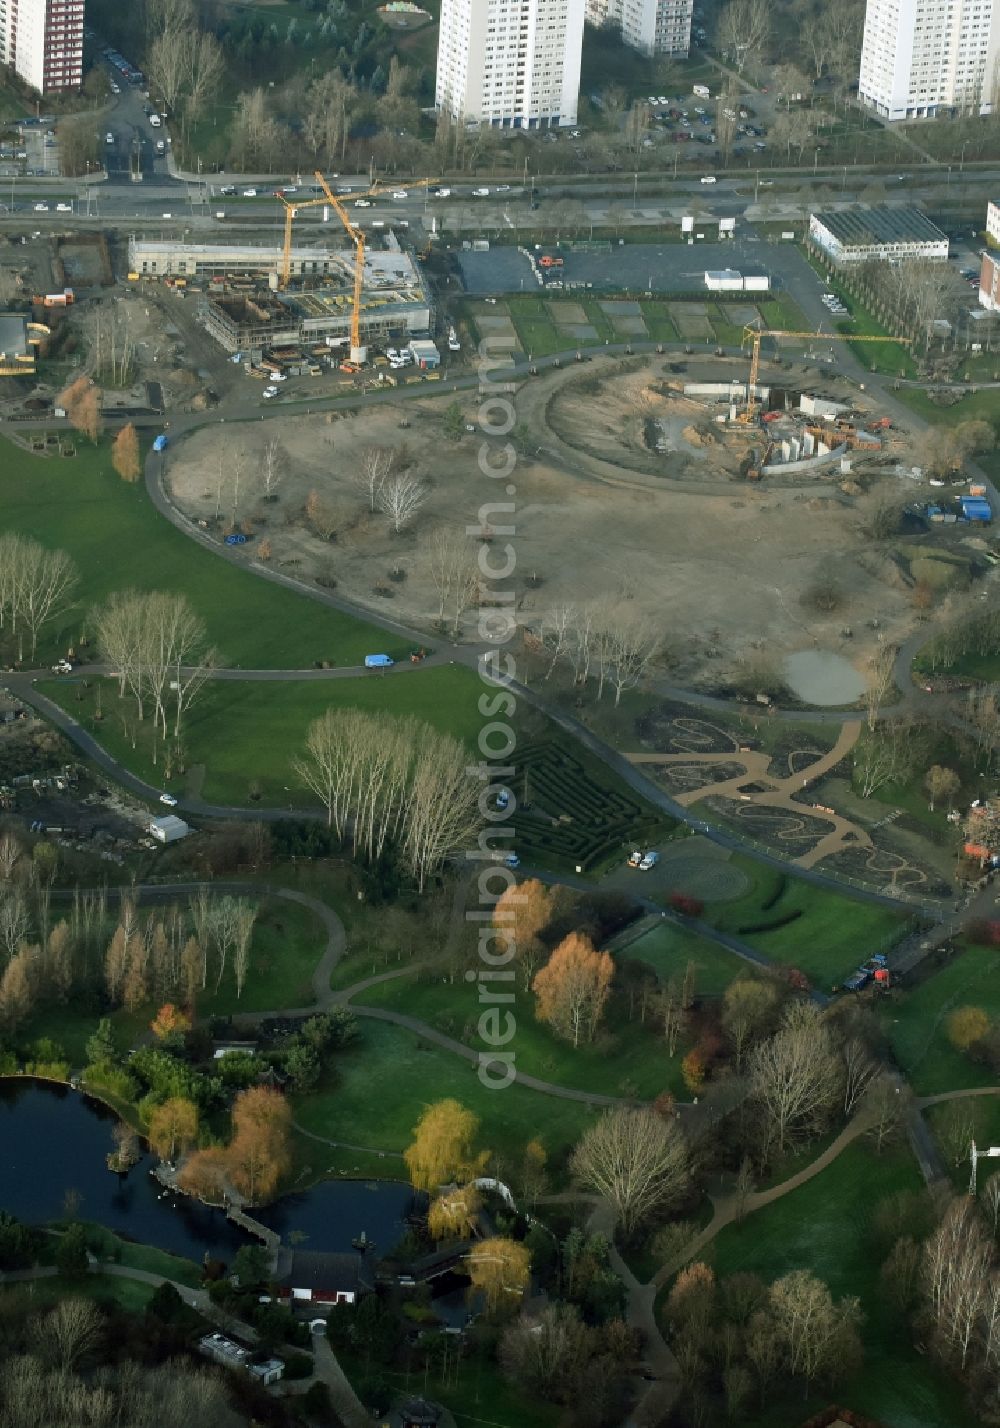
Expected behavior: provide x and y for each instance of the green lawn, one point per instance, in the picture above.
(978, 406)
(288, 941)
(474, 1390)
(955, 1123)
(892, 358)
(915, 1021)
(240, 738)
(826, 1226)
(624, 1060)
(108, 1246)
(119, 540)
(834, 933)
(656, 316)
(781, 311)
(380, 1086)
(668, 949)
(128, 1294)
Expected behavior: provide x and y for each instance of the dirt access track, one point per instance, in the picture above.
(719, 564)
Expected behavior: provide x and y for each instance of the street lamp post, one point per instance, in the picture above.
(635, 190)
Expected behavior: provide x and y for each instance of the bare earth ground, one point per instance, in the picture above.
(719, 564)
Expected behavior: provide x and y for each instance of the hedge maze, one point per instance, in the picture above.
(569, 813)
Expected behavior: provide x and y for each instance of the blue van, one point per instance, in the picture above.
(160, 444)
(378, 661)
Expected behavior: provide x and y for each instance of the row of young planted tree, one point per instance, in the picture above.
(173, 953)
(396, 787)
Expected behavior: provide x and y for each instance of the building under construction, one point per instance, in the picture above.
(244, 311)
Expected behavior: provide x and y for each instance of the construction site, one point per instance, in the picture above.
(725, 560)
(244, 308)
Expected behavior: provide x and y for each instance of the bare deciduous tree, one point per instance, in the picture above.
(636, 1160)
(400, 497)
(880, 680)
(271, 467)
(375, 465)
(795, 1075)
(743, 30)
(451, 563)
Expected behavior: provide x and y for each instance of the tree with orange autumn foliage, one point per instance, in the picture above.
(694, 1070)
(168, 1020)
(522, 912)
(125, 453)
(205, 1174)
(259, 1154)
(572, 988)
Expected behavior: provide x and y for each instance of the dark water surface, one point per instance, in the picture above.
(54, 1140)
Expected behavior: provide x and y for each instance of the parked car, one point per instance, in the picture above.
(249, 193)
(41, 208)
(634, 858)
(62, 666)
(362, 203)
(442, 193)
(168, 799)
(399, 193)
(650, 860)
(480, 193)
(64, 208)
(378, 661)
(709, 178)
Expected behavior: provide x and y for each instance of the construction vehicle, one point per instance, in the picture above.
(357, 237)
(753, 335)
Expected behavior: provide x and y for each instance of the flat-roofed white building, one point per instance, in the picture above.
(880, 234)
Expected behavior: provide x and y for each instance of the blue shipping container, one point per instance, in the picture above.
(974, 508)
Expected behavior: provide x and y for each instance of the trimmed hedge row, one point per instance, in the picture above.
(770, 924)
(778, 891)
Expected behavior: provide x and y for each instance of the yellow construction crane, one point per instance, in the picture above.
(754, 335)
(356, 235)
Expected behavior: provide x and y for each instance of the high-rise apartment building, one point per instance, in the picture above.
(922, 57)
(656, 27)
(43, 40)
(513, 64)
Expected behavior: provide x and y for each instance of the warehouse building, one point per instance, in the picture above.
(880, 234)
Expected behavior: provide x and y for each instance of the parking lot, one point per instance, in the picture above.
(638, 267)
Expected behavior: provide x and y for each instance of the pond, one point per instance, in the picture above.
(55, 1141)
(823, 677)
